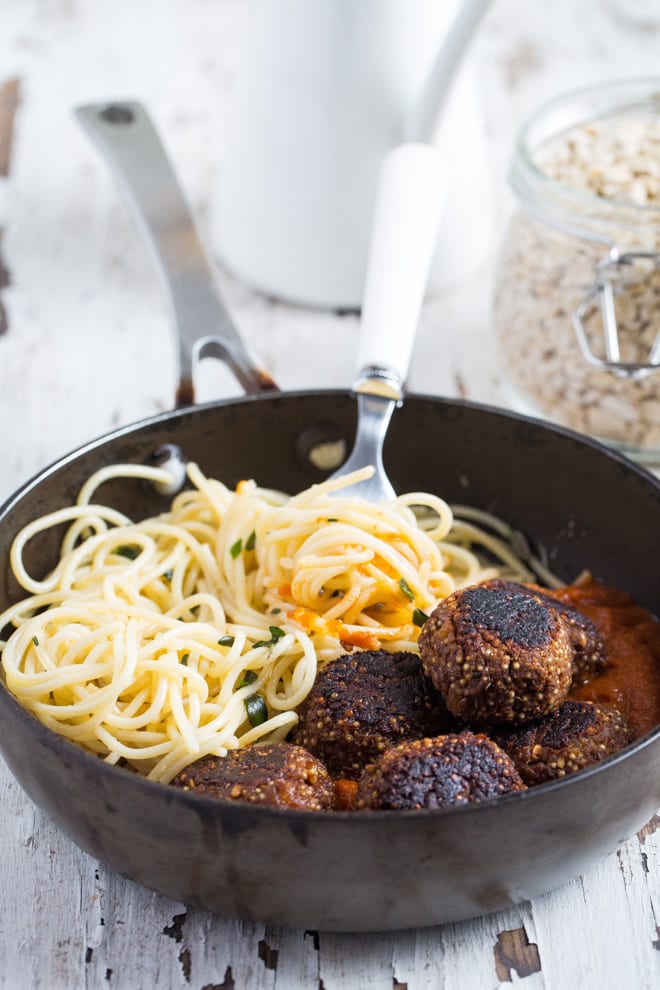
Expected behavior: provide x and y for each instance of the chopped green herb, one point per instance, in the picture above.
(35, 641)
(251, 540)
(403, 584)
(332, 519)
(249, 677)
(256, 709)
(184, 659)
(419, 617)
(128, 551)
(236, 548)
(275, 611)
(226, 641)
(275, 634)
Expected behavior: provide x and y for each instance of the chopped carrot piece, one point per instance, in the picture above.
(360, 637)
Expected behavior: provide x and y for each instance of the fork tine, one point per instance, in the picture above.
(374, 415)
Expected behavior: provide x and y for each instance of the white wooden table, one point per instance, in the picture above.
(77, 294)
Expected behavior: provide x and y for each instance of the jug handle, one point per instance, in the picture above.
(422, 123)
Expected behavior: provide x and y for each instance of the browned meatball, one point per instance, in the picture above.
(589, 653)
(497, 653)
(436, 773)
(276, 774)
(363, 703)
(578, 734)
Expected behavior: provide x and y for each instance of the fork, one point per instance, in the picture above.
(409, 205)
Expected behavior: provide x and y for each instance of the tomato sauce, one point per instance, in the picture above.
(345, 794)
(631, 681)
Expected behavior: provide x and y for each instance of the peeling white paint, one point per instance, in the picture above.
(82, 298)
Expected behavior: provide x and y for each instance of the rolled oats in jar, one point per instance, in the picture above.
(577, 301)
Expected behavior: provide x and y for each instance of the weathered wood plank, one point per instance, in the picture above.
(82, 297)
(611, 916)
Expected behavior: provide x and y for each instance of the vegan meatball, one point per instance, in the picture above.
(436, 773)
(574, 736)
(589, 654)
(276, 774)
(497, 653)
(363, 703)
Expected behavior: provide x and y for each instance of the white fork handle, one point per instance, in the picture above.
(409, 205)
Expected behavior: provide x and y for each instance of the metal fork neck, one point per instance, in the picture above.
(384, 382)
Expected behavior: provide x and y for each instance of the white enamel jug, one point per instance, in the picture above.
(329, 88)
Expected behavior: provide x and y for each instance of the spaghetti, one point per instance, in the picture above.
(200, 630)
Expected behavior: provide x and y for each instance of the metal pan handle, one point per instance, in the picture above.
(130, 144)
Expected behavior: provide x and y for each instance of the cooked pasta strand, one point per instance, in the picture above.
(146, 639)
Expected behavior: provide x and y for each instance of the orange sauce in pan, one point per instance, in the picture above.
(631, 681)
(345, 794)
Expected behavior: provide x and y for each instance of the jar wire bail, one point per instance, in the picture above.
(602, 294)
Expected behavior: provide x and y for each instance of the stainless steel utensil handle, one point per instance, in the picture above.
(130, 144)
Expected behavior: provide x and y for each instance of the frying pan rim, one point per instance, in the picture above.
(144, 423)
(73, 751)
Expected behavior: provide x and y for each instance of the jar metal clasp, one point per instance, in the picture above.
(602, 293)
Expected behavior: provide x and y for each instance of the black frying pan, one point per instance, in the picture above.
(374, 870)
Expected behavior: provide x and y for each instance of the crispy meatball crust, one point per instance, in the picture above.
(276, 774)
(497, 653)
(363, 703)
(574, 736)
(589, 653)
(437, 773)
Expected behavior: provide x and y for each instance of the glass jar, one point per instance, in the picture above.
(577, 300)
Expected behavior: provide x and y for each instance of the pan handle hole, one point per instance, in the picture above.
(171, 459)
